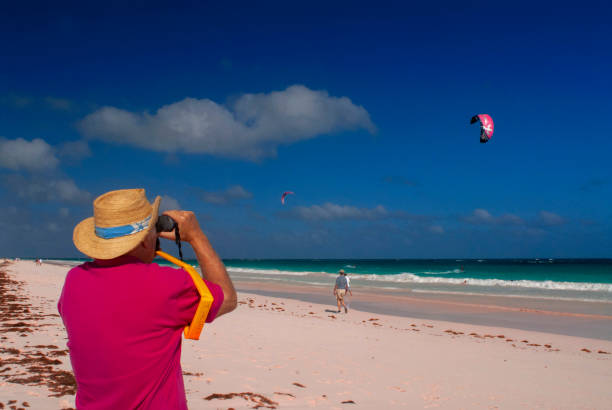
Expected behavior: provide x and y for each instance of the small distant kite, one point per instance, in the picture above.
(486, 126)
(284, 195)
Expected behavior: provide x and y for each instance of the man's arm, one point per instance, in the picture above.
(213, 269)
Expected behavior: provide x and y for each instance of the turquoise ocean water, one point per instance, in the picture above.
(570, 279)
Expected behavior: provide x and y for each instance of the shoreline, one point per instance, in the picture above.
(581, 319)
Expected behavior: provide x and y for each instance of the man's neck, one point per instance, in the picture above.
(120, 260)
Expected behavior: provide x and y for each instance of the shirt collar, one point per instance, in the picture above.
(121, 260)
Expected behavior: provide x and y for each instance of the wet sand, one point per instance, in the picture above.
(572, 318)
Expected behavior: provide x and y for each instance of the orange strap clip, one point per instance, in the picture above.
(193, 330)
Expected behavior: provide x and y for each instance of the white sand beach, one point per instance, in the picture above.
(275, 352)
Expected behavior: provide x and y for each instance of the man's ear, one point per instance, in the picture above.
(149, 242)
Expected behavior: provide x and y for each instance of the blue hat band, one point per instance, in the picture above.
(123, 230)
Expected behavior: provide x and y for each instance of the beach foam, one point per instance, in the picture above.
(550, 285)
(412, 278)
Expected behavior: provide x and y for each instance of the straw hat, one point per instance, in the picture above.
(341, 271)
(121, 221)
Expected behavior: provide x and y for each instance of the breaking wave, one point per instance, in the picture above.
(408, 278)
(547, 284)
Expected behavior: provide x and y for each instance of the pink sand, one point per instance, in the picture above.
(268, 344)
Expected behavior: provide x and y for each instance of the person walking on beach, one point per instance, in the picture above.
(124, 314)
(348, 289)
(348, 284)
(340, 289)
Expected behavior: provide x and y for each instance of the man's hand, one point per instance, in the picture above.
(189, 227)
(211, 265)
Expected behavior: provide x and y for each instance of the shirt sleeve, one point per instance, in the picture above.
(218, 297)
(186, 300)
(60, 301)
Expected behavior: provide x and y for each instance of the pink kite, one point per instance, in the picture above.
(486, 126)
(284, 195)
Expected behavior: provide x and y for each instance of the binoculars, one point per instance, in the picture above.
(166, 224)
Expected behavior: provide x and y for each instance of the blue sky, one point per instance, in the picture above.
(362, 112)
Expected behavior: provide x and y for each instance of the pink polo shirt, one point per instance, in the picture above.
(125, 320)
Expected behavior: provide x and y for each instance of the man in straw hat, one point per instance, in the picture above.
(124, 315)
(340, 288)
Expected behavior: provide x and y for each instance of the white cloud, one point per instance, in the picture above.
(232, 194)
(550, 218)
(510, 219)
(66, 190)
(251, 127)
(59, 103)
(22, 101)
(75, 150)
(45, 189)
(329, 211)
(168, 203)
(19, 101)
(436, 229)
(483, 217)
(20, 154)
(480, 216)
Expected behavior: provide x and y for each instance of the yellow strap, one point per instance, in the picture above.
(193, 330)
